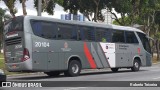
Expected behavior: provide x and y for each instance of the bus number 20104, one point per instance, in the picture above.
(41, 44)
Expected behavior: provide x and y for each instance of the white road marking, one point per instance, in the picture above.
(75, 88)
(157, 78)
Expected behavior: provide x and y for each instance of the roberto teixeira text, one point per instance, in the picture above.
(18, 84)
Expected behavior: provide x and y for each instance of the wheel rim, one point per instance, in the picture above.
(75, 68)
(136, 64)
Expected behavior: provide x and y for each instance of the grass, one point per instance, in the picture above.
(1, 61)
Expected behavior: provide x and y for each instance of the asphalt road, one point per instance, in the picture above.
(145, 74)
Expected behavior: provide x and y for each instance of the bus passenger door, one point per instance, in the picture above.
(121, 55)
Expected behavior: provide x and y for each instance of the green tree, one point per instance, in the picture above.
(23, 6)
(143, 12)
(47, 6)
(3, 17)
(157, 42)
(11, 6)
(89, 8)
(157, 34)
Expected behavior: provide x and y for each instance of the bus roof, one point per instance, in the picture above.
(100, 25)
(126, 28)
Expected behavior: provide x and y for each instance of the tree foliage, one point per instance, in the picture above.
(11, 6)
(47, 6)
(89, 8)
(23, 6)
(3, 17)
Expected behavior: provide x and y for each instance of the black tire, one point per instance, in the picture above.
(114, 69)
(53, 73)
(74, 69)
(136, 65)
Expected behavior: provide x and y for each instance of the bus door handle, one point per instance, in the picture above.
(51, 51)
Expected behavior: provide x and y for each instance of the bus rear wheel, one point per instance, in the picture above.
(114, 69)
(53, 73)
(74, 69)
(136, 65)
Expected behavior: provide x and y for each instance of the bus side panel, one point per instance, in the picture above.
(101, 54)
(141, 51)
(39, 53)
(126, 53)
(53, 61)
(95, 55)
(67, 50)
(39, 61)
(85, 61)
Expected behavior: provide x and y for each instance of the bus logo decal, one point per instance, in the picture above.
(138, 50)
(66, 47)
(12, 35)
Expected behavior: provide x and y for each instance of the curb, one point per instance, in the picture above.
(23, 74)
(156, 63)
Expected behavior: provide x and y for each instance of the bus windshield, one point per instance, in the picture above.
(15, 24)
(145, 42)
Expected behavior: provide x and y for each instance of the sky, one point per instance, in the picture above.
(58, 10)
(32, 11)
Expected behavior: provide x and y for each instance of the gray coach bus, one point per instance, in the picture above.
(52, 46)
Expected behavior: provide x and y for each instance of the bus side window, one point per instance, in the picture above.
(118, 36)
(144, 41)
(44, 29)
(66, 31)
(103, 35)
(37, 29)
(49, 30)
(87, 33)
(130, 37)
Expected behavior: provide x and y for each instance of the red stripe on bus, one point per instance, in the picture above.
(89, 56)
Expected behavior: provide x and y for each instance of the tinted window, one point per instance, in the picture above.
(44, 29)
(130, 37)
(145, 42)
(87, 33)
(103, 35)
(67, 31)
(118, 36)
(15, 24)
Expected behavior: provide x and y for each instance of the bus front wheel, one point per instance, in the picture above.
(74, 68)
(136, 65)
